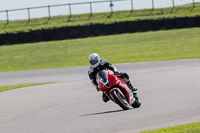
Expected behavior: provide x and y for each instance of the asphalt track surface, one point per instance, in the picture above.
(169, 91)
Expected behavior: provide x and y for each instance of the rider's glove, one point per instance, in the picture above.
(117, 73)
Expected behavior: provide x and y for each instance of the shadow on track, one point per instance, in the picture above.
(106, 112)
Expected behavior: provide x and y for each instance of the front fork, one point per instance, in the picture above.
(129, 96)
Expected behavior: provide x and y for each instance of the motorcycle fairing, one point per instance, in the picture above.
(102, 78)
(128, 92)
(107, 80)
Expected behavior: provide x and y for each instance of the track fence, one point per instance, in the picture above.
(89, 7)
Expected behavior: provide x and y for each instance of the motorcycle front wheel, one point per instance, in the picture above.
(137, 102)
(120, 100)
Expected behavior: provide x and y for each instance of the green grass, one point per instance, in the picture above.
(188, 128)
(59, 21)
(15, 86)
(134, 47)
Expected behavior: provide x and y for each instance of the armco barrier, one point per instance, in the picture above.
(71, 32)
(48, 34)
(97, 29)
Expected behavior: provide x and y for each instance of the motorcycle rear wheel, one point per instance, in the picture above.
(121, 101)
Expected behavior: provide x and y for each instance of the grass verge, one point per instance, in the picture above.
(11, 87)
(134, 47)
(59, 21)
(188, 128)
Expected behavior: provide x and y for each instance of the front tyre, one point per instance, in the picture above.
(137, 102)
(120, 100)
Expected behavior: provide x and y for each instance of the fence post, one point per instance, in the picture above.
(131, 5)
(29, 16)
(49, 11)
(111, 5)
(173, 3)
(7, 16)
(70, 11)
(90, 8)
(193, 4)
(152, 4)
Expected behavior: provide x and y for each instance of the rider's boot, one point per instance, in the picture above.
(128, 83)
(132, 88)
(105, 98)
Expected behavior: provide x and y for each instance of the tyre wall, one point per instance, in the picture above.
(48, 34)
(24, 37)
(85, 31)
(157, 24)
(133, 26)
(121, 27)
(72, 32)
(97, 29)
(3, 39)
(36, 35)
(60, 33)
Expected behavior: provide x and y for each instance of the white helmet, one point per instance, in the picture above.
(94, 60)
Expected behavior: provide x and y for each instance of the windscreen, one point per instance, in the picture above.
(102, 76)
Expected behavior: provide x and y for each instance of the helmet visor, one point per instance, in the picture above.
(92, 62)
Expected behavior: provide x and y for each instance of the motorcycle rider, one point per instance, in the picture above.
(98, 65)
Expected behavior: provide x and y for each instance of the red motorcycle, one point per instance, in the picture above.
(116, 90)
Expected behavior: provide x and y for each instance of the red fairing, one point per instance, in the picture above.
(123, 86)
(113, 80)
(102, 87)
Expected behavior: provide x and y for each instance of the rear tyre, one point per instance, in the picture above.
(121, 101)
